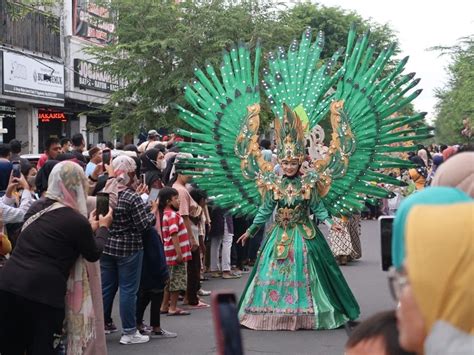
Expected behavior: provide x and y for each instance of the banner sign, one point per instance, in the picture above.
(45, 115)
(92, 21)
(87, 76)
(32, 77)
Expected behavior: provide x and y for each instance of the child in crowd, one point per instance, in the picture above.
(153, 281)
(177, 249)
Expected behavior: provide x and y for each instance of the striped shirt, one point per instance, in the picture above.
(173, 223)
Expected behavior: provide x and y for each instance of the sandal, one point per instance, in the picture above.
(200, 305)
(231, 275)
(179, 312)
(163, 312)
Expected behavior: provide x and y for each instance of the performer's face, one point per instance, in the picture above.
(290, 167)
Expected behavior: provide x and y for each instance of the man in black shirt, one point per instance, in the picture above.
(78, 145)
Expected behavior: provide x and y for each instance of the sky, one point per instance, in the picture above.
(419, 25)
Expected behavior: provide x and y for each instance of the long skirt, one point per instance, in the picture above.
(347, 242)
(306, 290)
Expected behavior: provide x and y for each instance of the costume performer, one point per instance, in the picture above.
(296, 283)
(345, 243)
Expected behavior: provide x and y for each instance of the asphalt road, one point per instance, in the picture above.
(196, 333)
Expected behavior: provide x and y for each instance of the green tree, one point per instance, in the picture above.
(159, 43)
(456, 99)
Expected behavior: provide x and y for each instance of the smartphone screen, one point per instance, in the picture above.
(386, 226)
(16, 169)
(153, 196)
(106, 156)
(102, 204)
(226, 324)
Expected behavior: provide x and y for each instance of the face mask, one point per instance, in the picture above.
(161, 164)
(31, 181)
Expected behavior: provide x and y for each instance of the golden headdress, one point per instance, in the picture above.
(289, 136)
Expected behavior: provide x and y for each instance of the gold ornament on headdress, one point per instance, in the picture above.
(289, 135)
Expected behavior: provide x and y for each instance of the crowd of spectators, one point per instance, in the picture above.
(62, 264)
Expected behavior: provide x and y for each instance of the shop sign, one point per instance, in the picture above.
(32, 78)
(87, 76)
(49, 115)
(92, 21)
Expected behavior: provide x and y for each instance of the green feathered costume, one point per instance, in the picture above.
(296, 283)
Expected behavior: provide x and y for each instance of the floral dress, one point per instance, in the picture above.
(296, 283)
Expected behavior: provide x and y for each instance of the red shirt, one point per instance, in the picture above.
(173, 223)
(42, 160)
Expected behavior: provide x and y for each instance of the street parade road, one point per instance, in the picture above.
(196, 332)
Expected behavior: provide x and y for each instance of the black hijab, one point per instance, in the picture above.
(43, 176)
(148, 159)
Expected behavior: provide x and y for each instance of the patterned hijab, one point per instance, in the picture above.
(123, 165)
(67, 184)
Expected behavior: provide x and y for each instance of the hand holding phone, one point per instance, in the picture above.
(106, 220)
(226, 324)
(106, 157)
(386, 226)
(16, 169)
(102, 204)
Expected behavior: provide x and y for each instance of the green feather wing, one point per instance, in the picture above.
(219, 111)
(364, 127)
(298, 78)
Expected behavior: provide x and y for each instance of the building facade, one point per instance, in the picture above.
(49, 84)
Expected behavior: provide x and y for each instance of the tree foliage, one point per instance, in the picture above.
(159, 43)
(456, 99)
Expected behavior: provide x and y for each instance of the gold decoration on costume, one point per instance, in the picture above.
(247, 147)
(341, 145)
(280, 250)
(307, 230)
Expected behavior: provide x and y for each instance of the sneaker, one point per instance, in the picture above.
(163, 334)
(144, 329)
(245, 270)
(135, 338)
(110, 328)
(202, 292)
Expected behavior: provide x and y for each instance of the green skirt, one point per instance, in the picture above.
(306, 290)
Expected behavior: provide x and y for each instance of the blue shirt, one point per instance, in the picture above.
(90, 167)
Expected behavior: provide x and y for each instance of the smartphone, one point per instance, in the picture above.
(16, 169)
(386, 227)
(143, 179)
(153, 196)
(102, 204)
(226, 324)
(106, 156)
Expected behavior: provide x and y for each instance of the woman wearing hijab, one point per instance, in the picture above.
(419, 173)
(423, 154)
(433, 285)
(45, 281)
(458, 172)
(121, 262)
(153, 160)
(437, 161)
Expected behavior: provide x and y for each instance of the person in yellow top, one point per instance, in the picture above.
(419, 173)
